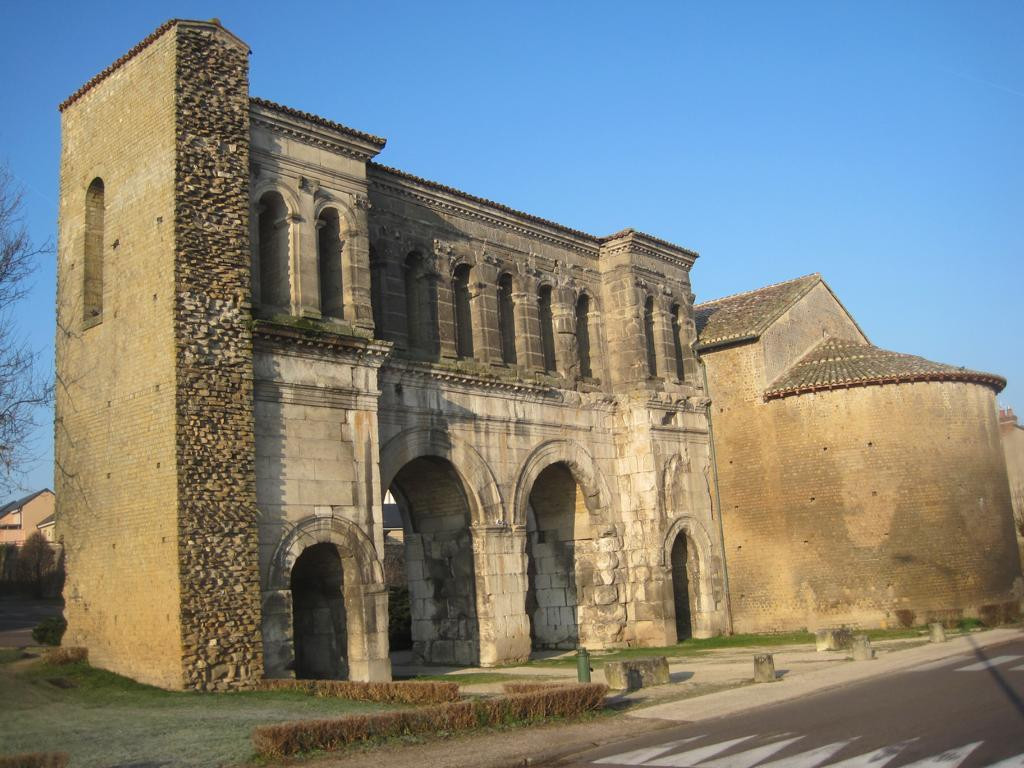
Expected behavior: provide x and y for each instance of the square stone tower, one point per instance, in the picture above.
(154, 429)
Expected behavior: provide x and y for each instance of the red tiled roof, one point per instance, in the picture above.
(841, 363)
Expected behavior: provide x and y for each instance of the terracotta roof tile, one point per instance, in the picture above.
(841, 363)
(311, 118)
(745, 316)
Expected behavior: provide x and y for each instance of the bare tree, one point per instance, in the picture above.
(22, 390)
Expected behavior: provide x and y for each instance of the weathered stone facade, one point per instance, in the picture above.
(1012, 434)
(261, 332)
(859, 487)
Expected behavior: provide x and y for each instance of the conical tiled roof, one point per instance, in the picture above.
(841, 363)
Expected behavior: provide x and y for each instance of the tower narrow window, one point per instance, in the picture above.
(583, 335)
(677, 342)
(329, 248)
(547, 330)
(652, 361)
(463, 316)
(275, 286)
(93, 267)
(506, 320)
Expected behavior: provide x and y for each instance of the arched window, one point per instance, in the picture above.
(329, 247)
(547, 330)
(463, 316)
(506, 320)
(93, 267)
(583, 335)
(652, 361)
(275, 286)
(420, 306)
(677, 342)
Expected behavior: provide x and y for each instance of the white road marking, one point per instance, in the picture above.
(693, 756)
(1010, 762)
(751, 757)
(988, 663)
(809, 759)
(1017, 669)
(641, 756)
(875, 759)
(948, 759)
(946, 662)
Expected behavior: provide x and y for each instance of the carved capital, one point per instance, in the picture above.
(362, 202)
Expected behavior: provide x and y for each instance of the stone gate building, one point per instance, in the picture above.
(261, 331)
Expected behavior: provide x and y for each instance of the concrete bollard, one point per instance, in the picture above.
(936, 633)
(764, 668)
(862, 650)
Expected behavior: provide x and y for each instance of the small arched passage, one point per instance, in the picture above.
(318, 615)
(685, 584)
(273, 249)
(686, 558)
(439, 563)
(558, 531)
(364, 597)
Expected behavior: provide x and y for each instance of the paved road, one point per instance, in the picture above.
(965, 710)
(19, 615)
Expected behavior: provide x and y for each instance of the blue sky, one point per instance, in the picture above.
(878, 143)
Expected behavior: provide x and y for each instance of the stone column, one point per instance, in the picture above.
(529, 351)
(305, 256)
(664, 345)
(355, 254)
(483, 305)
(446, 317)
(563, 316)
(278, 639)
(499, 554)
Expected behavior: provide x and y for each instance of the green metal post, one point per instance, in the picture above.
(583, 665)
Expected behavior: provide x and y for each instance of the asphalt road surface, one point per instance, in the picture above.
(965, 710)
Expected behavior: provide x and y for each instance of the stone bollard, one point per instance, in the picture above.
(862, 650)
(937, 634)
(764, 668)
(838, 639)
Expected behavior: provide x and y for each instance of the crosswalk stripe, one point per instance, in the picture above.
(1017, 669)
(641, 756)
(948, 759)
(693, 756)
(1011, 762)
(988, 663)
(946, 662)
(751, 757)
(874, 759)
(811, 758)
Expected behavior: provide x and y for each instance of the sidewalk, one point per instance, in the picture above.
(696, 693)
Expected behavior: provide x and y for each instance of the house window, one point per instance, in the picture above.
(506, 320)
(547, 331)
(463, 316)
(273, 235)
(329, 258)
(652, 361)
(583, 335)
(94, 236)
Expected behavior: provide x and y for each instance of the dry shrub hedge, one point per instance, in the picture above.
(532, 687)
(35, 760)
(405, 692)
(68, 655)
(308, 735)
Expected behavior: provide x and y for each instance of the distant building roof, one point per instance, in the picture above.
(745, 316)
(48, 520)
(841, 363)
(17, 504)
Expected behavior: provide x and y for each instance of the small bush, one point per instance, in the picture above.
(70, 655)
(408, 692)
(307, 735)
(520, 687)
(49, 631)
(35, 760)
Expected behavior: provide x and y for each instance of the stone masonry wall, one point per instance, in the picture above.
(115, 446)
(218, 534)
(839, 509)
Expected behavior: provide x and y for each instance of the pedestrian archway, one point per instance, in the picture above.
(318, 614)
(558, 524)
(685, 584)
(439, 563)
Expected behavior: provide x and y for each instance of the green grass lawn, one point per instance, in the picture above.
(696, 647)
(108, 720)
